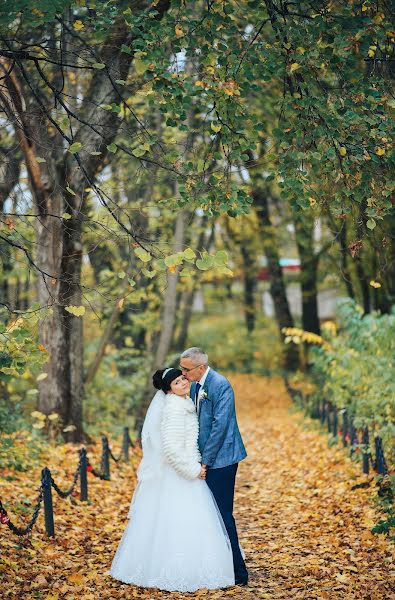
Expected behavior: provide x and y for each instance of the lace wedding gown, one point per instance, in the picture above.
(175, 539)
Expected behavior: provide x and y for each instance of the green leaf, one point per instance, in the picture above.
(75, 147)
(99, 66)
(142, 254)
(140, 66)
(205, 263)
(112, 148)
(189, 254)
(221, 257)
(149, 273)
(66, 216)
(371, 224)
(72, 192)
(139, 151)
(40, 159)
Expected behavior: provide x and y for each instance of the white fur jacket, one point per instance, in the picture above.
(180, 428)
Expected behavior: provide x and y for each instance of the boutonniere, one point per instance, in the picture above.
(203, 395)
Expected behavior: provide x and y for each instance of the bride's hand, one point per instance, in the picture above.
(203, 472)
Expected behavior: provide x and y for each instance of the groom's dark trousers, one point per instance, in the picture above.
(222, 484)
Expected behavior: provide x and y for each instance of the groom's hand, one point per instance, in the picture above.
(203, 472)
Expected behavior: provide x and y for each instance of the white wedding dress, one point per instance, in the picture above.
(175, 539)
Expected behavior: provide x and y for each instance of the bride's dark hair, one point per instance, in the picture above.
(163, 377)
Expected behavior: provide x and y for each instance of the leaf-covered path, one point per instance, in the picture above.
(306, 534)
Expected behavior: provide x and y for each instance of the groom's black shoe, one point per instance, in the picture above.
(241, 581)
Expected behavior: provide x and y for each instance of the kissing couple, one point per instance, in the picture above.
(181, 534)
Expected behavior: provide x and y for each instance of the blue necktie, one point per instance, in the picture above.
(198, 386)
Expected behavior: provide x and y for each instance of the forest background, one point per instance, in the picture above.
(158, 160)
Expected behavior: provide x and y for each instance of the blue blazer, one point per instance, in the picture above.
(220, 442)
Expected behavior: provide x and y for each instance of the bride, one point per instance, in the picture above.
(175, 539)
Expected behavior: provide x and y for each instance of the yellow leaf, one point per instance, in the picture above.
(375, 284)
(216, 127)
(75, 578)
(77, 311)
(53, 416)
(293, 67)
(42, 376)
(37, 414)
(342, 151)
(179, 31)
(121, 302)
(380, 151)
(78, 25)
(173, 268)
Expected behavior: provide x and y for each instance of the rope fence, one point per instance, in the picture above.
(44, 498)
(340, 423)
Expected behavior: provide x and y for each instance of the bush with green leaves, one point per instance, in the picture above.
(356, 368)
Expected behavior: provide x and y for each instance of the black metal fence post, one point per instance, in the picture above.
(83, 475)
(46, 480)
(125, 444)
(328, 416)
(381, 465)
(335, 422)
(366, 454)
(345, 428)
(353, 437)
(323, 411)
(105, 466)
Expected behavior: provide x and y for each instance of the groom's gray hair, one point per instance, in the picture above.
(196, 354)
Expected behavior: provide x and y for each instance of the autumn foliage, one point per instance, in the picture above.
(305, 532)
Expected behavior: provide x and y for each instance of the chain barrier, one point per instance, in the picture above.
(4, 518)
(47, 483)
(114, 457)
(66, 493)
(352, 438)
(95, 472)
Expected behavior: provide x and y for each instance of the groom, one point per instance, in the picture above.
(220, 442)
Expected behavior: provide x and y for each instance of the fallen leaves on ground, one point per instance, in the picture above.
(306, 534)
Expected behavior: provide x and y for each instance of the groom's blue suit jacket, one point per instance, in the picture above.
(220, 442)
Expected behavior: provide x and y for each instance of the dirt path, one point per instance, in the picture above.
(306, 534)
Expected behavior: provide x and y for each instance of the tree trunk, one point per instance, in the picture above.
(59, 247)
(344, 260)
(249, 280)
(277, 284)
(203, 241)
(9, 177)
(304, 235)
(168, 319)
(360, 269)
(187, 304)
